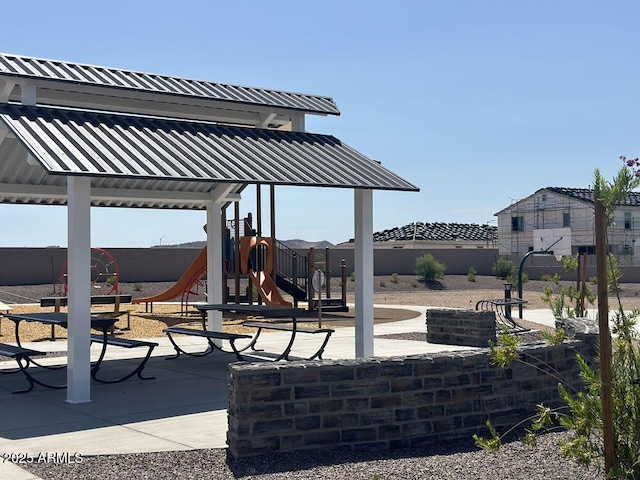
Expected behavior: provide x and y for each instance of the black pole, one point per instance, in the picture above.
(507, 298)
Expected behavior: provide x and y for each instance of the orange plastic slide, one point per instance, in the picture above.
(262, 280)
(267, 289)
(193, 273)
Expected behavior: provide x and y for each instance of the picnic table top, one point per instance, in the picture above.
(272, 311)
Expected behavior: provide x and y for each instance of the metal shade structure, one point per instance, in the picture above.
(145, 154)
(82, 136)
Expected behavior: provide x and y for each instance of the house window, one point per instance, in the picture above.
(627, 220)
(566, 219)
(517, 224)
(588, 249)
(628, 250)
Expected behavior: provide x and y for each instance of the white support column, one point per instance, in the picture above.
(214, 254)
(28, 93)
(298, 123)
(79, 283)
(363, 256)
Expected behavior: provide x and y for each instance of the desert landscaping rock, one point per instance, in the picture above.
(456, 460)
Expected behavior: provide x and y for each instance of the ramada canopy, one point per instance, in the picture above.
(162, 142)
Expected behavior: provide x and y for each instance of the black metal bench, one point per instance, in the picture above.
(502, 308)
(20, 355)
(294, 329)
(115, 300)
(125, 343)
(210, 336)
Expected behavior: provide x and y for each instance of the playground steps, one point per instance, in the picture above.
(329, 305)
(287, 285)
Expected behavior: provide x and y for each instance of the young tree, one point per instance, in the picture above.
(605, 415)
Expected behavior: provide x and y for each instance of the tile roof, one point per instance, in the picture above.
(586, 195)
(438, 231)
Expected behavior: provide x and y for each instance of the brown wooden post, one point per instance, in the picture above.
(259, 210)
(272, 217)
(327, 271)
(236, 250)
(605, 336)
(258, 266)
(310, 268)
(343, 268)
(583, 281)
(225, 278)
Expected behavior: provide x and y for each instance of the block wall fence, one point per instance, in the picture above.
(461, 327)
(32, 266)
(390, 403)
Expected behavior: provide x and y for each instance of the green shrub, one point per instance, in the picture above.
(582, 415)
(502, 268)
(395, 278)
(513, 276)
(112, 280)
(572, 301)
(352, 277)
(471, 274)
(137, 287)
(429, 268)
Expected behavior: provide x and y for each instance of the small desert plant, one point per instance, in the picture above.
(395, 278)
(513, 276)
(571, 301)
(382, 284)
(137, 287)
(352, 277)
(429, 268)
(502, 268)
(471, 274)
(112, 280)
(587, 409)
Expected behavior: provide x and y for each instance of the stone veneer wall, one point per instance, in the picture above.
(389, 403)
(461, 327)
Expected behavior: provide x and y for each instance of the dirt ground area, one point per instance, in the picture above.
(454, 291)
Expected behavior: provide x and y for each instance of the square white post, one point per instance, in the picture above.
(214, 255)
(79, 289)
(363, 257)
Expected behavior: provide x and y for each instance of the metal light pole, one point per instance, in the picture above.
(527, 255)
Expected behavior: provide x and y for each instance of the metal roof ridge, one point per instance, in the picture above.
(157, 76)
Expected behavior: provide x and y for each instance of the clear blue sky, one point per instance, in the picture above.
(476, 103)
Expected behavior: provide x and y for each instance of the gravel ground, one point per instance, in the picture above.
(455, 461)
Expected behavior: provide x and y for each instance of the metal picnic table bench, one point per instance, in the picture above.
(277, 314)
(502, 307)
(101, 324)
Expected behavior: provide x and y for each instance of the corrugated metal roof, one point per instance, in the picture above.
(68, 72)
(132, 152)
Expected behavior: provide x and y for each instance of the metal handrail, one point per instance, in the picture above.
(291, 265)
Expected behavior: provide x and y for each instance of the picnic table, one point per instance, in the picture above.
(98, 323)
(282, 318)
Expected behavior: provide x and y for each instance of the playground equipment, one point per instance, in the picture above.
(186, 285)
(104, 270)
(256, 261)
